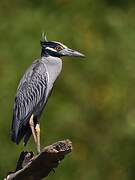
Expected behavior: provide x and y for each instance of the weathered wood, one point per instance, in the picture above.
(32, 167)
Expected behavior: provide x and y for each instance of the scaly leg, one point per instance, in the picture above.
(31, 122)
(37, 128)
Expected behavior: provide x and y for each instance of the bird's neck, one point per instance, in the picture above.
(44, 53)
(51, 60)
(53, 65)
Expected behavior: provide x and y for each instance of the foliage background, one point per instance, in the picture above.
(93, 102)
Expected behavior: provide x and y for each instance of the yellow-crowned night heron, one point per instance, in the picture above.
(34, 90)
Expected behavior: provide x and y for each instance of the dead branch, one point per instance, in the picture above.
(36, 167)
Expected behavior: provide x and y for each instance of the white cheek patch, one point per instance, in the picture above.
(51, 49)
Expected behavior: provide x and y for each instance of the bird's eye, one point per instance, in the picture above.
(58, 48)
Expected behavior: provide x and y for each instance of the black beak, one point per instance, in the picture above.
(70, 52)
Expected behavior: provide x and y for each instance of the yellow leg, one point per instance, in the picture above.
(37, 129)
(31, 122)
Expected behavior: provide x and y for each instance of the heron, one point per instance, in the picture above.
(34, 89)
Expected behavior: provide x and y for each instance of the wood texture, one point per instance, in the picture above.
(36, 167)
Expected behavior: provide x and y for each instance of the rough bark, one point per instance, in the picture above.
(36, 167)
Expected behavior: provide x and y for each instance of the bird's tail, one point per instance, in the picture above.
(16, 138)
(14, 129)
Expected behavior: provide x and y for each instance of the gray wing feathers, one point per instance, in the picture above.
(31, 92)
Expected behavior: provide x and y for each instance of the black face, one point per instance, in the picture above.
(52, 44)
(52, 48)
(57, 49)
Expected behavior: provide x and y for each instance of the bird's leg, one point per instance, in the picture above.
(37, 129)
(31, 122)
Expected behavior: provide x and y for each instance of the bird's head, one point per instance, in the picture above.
(57, 49)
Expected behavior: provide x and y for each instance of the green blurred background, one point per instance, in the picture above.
(93, 102)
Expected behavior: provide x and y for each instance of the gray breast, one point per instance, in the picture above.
(53, 67)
